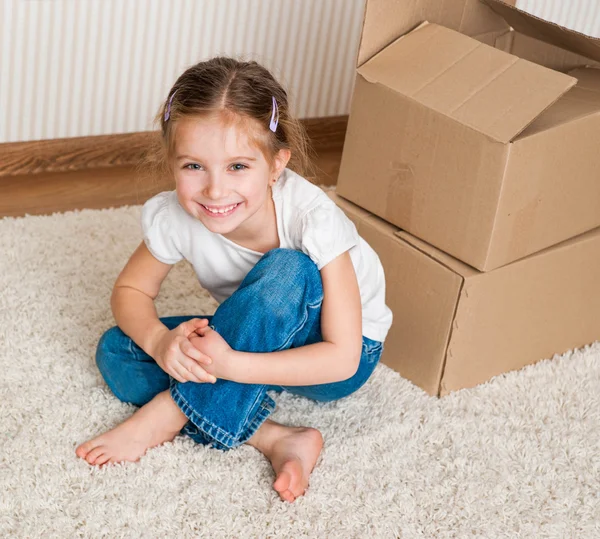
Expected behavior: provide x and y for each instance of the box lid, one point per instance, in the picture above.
(386, 20)
(581, 101)
(546, 31)
(487, 89)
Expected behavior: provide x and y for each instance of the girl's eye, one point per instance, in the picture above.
(192, 165)
(239, 166)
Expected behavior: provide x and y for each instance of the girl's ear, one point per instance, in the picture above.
(280, 162)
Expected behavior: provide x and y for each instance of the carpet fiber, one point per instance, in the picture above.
(516, 457)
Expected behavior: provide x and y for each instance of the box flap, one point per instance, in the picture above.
(546, 31)
(588, 78)
(581, 101)
(489, 90)
(386, 20)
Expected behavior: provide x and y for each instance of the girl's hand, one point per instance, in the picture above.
(176, 355)
(210, 343)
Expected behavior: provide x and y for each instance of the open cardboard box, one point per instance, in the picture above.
(455, 327)
(454, 137)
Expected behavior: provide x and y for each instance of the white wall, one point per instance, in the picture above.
(73, 68)
(580, 15)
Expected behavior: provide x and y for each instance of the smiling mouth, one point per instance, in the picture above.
(220, 211)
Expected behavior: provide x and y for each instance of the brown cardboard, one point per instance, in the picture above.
(386, 20)
(455, 327)
(542, 53)
(483, 154)
(477, 85)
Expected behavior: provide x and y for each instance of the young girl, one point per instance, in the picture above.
(302, 295)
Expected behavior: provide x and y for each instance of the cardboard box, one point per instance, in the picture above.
(483, 154)
(455, 327)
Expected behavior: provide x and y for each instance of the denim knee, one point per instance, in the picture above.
(130, 374)
(109, 342)
(293, 273)
(107, 353)
(294, 261)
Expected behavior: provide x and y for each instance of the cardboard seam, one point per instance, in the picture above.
(462, 17)
(557, 126)
(360, 43)
(451, 118)
(462, 285)
(428, 255)
(512, 139)
(418, 103)
(471, 51)
(510, 41)
(393, 42)
(449, 340)
(502, 185)
(485, 85)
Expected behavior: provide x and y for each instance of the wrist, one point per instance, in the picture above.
(233, 362)
(153, 338)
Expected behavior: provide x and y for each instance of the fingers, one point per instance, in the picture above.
(190, 350)
(191, 373)
(193, 324)
(200, 374)
(181, 374)
(203, 330)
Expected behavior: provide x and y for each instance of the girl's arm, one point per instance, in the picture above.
(133, 296)
(333, 360)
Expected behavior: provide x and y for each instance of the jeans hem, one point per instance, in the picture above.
(222, 439)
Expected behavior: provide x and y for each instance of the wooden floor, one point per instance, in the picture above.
(46, 193)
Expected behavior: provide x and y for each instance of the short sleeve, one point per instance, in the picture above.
(158, 230)
(326, 233)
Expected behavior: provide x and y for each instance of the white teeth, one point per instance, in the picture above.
(222, 210)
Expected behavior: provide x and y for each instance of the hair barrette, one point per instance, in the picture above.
(168, 111)
(274, 116)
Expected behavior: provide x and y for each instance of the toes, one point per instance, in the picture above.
(94, 454)
(287, 496)
(298, 491)
(102, 459)
(84, 449)
(282, 482)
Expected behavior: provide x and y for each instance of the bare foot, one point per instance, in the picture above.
(153, 424)
(293, 452)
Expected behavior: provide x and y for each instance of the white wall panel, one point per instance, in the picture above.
(73, 68)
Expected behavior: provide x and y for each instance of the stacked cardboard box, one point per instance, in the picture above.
(472, 166)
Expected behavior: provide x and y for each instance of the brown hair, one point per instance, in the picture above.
(241, 90)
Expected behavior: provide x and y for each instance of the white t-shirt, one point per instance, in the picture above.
(307, 220)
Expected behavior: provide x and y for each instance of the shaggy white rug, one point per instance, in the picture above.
(516, 457)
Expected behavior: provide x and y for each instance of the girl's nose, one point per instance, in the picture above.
(215, 188)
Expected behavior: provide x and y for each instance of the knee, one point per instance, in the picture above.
(293, 275)
(111, 344)
(112, 351)
(119, 368)
(294, 260)
(295, 266)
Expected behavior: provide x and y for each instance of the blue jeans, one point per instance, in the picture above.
(277, 306)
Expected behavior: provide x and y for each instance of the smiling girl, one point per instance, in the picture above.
(301, 295)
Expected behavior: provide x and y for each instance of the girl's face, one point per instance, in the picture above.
(223, 179)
